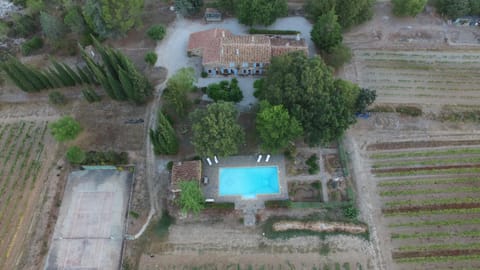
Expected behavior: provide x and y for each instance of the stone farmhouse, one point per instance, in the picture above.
(224, 53)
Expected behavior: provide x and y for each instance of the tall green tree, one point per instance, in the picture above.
(408, 7)
(65, 129)
(276, 127)
(178, 86)
(191, 197)
(306, 88)
(163, 137)
(216, 131)
(121, 16)
(327, 32)
(74, 20)
(260, 12)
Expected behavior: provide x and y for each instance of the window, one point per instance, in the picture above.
(232, 64)
(245, 64)
(257, 64)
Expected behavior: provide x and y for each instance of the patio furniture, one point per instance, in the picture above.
(205, 180)
(259, 158)
(209, 161)
(215, 159)
(267, 159)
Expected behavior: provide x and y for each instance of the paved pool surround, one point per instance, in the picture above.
(212, 189)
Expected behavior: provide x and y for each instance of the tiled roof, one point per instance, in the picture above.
(185, 170)
(221, 47)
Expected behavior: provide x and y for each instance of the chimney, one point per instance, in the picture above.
(288, 44)
(221, 51)
(297, 37)
(223, 33)
(237, 51)
(253, 39)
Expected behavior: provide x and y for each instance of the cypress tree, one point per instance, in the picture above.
(53, 78)
(64, 76)
(116, 87)
(14, 77)
(163, 138)
(85, 78)
(73, 74)
(126, 84)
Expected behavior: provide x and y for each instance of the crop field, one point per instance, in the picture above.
(21, 160)
(420, 77)
(430, 203)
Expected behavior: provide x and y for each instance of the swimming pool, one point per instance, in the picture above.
(248, 181)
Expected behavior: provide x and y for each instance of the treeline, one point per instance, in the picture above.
(115, 73)
(118, 76)
(30, 79)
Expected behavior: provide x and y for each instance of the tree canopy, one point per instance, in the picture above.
(350, 12)
(306, 88)
(188, 7)
(216, 131)
(457, 8)
(75, 155)
(52, 27)
(225, 90)
(276, 128)
(112, 17)
(65, 129)
(408, 7)
(191, 197)
(260, 12)
(327, 32)
(177, 89)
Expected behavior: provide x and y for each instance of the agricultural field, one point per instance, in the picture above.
(22, 162)
(428, 191)
(420, 77)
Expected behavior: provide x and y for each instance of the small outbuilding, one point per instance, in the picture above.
(185, 170)
(212, 15)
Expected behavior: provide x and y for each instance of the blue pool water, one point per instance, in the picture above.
(248, 181)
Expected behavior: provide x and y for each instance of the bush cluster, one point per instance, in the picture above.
(224, 90)
(278, 204)
(57, 98)
(32, 45)
(151, 58)
(105, 158)
(157, 32)
(254, 31)
(312, 163)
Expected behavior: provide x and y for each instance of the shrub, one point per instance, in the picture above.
(204, 74)
(170, 166)
(350, 212)
(409, 110)
(151, 58)
(23, 26)
(75, 155)
(64, 129)
(134, 214)
(157, 32)
(32, 45)
(278, 204)
(90, 95)
(225, 91)
(220, 205)
(106, 158)
(312, 163)
(57, 98)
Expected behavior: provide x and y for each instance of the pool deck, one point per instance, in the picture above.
(248, 206)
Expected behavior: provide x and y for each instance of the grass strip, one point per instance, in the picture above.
(415, 171)
(435, 212)
(439, 259)
(447, 222)
(435, 234)
(432, 201)
(426, 153)
(434, 181)
(427, 162)
(440, 247)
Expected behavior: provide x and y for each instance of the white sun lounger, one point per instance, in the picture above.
(259, 158)
(267, 159)
(215, 159)
(209, 161)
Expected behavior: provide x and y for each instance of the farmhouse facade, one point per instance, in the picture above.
(225, 53)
